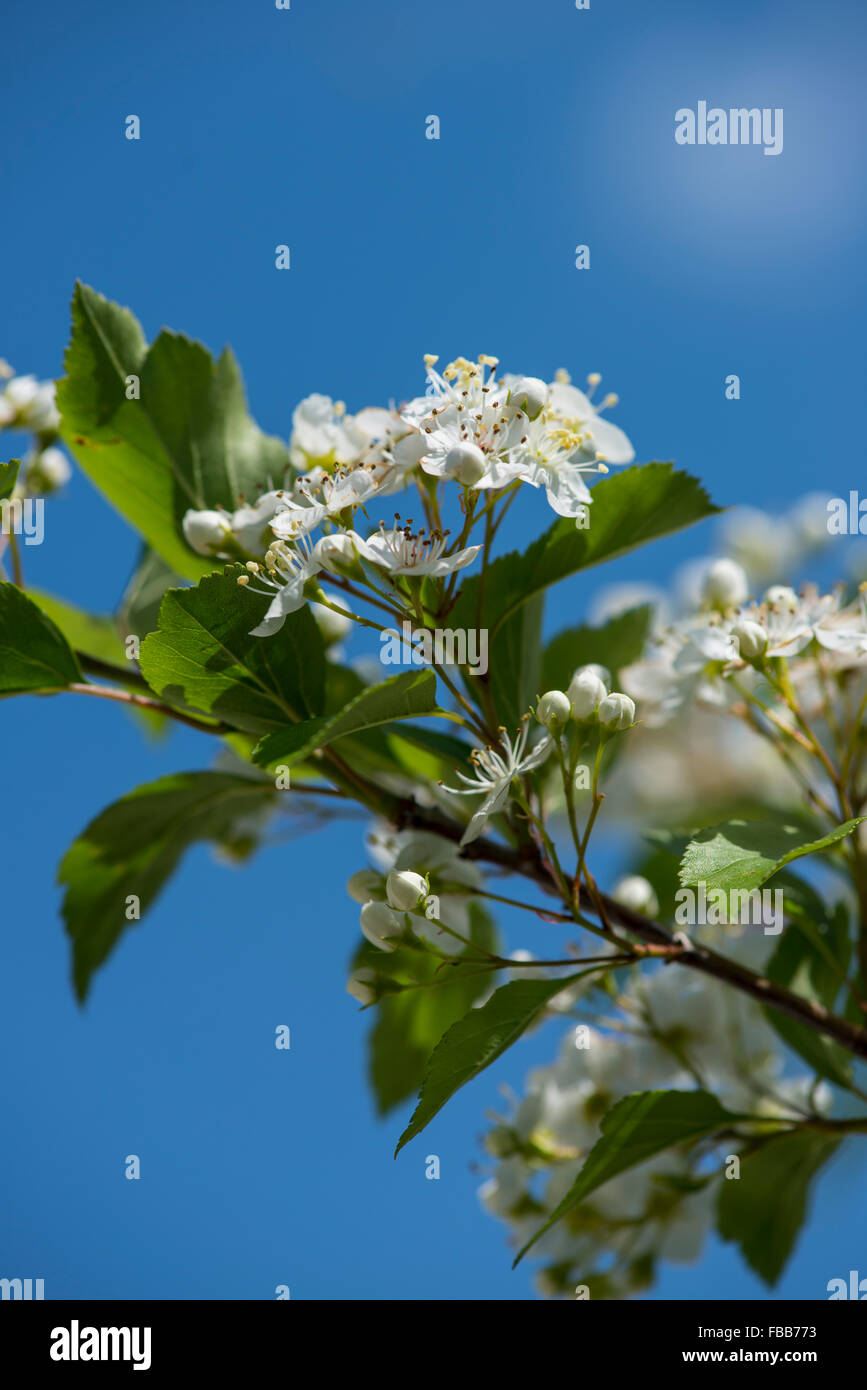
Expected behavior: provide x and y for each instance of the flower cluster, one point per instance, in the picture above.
(663, 1209)
(484, 433)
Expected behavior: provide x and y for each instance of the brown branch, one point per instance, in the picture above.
(658, 940)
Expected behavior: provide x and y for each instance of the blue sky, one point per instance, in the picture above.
(307, 127)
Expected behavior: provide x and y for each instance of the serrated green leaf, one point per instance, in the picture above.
(186, 442)
(629, 508)
(745, 854)
(476, 1041)
(202, 655)
(133, 847)
(763, 1210)
(635, 1129)
(34, 654)
(410, 694)
(514, 664)
(94, 634)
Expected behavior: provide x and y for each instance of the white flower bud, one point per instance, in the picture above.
(332, 625)
(585, 692)
(48, 471)
(361, 985)
(530, 394)
(725, 584)
(635, 892)
(781, 599)
(21, 391)
(752, 639)
(364, 885)
(554, 710)
(466, 463)
(206, 532)
(336, 553)
(616, 711)
(379, 924)
(405, 890)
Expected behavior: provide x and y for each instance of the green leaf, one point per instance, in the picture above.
(635, 1129)
(629, 508)
(400, 697)
(763, 1209)
(186, 442)
(615, 644)
(811, 958)
(132, 848)
(410, 1024)
(94, 634)
(514, 664)
(745, 854)
(8, 477)
(202, 655)
(476, 1041)
(139, 611)
(34, 654)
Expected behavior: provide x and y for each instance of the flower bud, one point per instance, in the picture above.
(48, 471)
(365, 885)
(379, 924)
(585, 692)
(332, 625)
(616, 712)
(725, 584)
(752, 639)
(405, 890)
(466, 463)
(337, 554)
(361, 985)
(530, 394)
(781, 599)
(635, 892)
(206, 532)
(554, 710)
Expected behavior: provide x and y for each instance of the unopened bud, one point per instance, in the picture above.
(206, 532)
(554, 710)
(752, 639)
(405, 890)
(337, 554)
(725, 584)
(617, 712)
(466, 463)
(530, 394)
(781, 599)
(635, 892)
(365, 885)
(379, 924)
(585, 692)
(361, 985)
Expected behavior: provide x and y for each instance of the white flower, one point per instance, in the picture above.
(452, 879)
(364, 885)
(527, 393)
(319, 496)
(405, 889)
(845, 632)
(29, 404)
(549, 455)
(467, 410)
(206, 532)
(322, 433)
(399, 551)
(494, 773)
(599, 438)
(288, 570)
(380, 924)
(616, 712)
(250, 524)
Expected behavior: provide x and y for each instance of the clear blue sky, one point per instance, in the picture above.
(306, 127)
